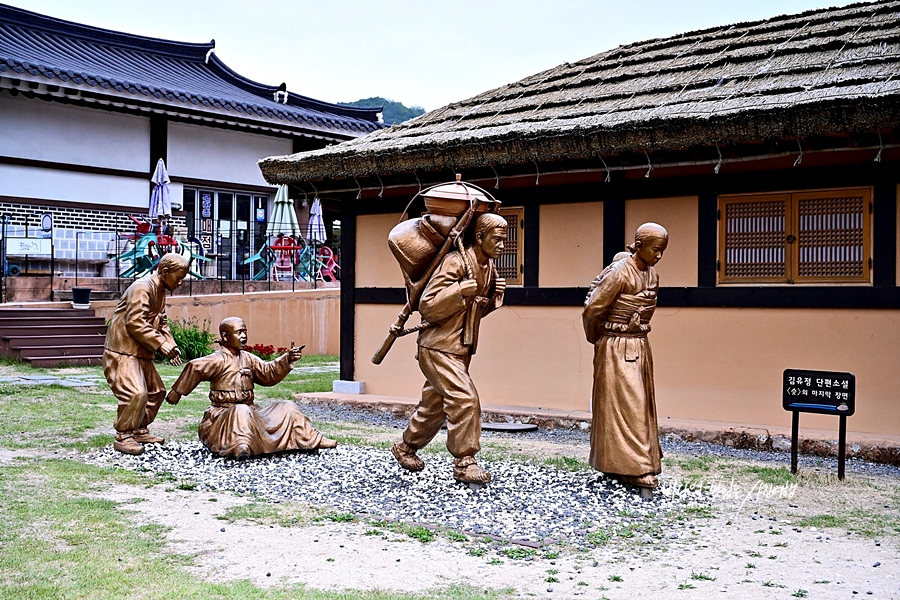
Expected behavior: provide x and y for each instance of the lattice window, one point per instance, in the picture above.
(510, 265)
(810, 237)
(831, 236)
(754, 239)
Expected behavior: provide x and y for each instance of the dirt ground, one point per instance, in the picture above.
(748, 548)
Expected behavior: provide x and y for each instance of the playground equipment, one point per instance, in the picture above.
(285, 259)
(149, 248)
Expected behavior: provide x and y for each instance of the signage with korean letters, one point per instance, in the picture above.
(206, 241)
(823, 392)
(19, 246)
(206, 205)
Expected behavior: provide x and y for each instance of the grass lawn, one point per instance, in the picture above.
(59, 541)
(59, 538)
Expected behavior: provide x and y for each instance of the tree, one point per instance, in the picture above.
(392, 113)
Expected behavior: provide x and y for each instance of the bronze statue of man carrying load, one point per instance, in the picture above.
(452, 295)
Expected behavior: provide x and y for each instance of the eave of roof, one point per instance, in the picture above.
(813, 73)
(166, 73)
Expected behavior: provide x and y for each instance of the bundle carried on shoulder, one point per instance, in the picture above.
(420, 244)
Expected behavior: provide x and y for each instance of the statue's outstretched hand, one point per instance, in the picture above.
(295, 354)
(173, 397)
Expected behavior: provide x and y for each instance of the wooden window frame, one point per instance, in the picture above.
(792, 202)
(519, 251)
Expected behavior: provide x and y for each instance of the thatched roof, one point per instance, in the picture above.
(818, 72)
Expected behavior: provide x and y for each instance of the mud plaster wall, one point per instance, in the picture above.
(678, 268)
(711, 363)
(375, 265)
(571, 244)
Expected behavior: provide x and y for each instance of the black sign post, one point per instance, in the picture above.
(822, 392)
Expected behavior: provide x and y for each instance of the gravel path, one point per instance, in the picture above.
(524, 502)
(670, 444)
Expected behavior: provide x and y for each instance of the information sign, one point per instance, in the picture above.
(29, 246)
(823, 392)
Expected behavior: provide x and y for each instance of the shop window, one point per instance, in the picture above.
(803, 237)
(511, 264)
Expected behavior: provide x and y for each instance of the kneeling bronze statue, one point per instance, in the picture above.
(234, 426)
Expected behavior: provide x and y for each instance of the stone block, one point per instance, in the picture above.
(340, 386)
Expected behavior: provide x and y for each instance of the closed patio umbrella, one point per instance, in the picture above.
(160, 201)
(284, 217)
(316, 231)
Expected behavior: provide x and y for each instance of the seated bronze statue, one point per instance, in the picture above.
(234, 426)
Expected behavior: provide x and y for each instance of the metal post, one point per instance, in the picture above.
(795, 433)
(842, 446)
(52, 265)
(27, 270)
(118, 280)
(3, 266)
(76, 257)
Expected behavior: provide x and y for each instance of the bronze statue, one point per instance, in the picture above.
(234, 426)
(138, 329)
(617, 312)
(463, 289)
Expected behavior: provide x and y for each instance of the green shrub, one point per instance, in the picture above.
(193, 338)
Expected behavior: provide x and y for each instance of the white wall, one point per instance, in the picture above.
(220, 155)
(69, 134)
(50, 184)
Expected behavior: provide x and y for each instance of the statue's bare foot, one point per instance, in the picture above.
(145, 437)
(466, 470)
(242, 452)
(406, 456)
(327, 443)
(128, 445)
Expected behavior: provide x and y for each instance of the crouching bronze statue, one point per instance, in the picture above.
(234, 426)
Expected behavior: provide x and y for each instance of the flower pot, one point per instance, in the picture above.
(81, 297)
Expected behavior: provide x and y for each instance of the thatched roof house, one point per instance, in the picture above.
(795, 76)
(770, 151)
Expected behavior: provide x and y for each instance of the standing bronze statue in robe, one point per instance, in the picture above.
(234, 426)
(463, 289)
(617, 312)
(137, 329)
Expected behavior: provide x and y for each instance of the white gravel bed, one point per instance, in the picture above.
(524, 502)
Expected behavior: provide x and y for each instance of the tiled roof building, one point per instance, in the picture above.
(87, 65)
(86, 113)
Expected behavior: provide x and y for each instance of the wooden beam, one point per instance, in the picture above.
(348, 289)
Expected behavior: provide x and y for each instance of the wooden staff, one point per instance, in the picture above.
(415, 289)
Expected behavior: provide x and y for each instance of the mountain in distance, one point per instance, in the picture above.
(393, 112)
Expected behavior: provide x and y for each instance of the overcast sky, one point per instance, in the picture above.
(425, 53)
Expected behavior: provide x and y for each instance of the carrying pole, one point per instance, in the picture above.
(416, 289)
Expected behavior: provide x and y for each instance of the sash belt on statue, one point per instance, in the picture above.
(629, 318)
(224, 398)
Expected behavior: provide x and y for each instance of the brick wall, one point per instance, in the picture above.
(89, 232)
